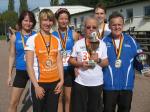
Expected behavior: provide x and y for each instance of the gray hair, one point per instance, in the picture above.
(90, 18)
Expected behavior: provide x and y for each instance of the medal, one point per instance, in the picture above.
(48, 63)
(118, 63)
(63, 43)
(64, 54)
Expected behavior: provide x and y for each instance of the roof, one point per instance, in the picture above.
(72, 9)
(125, 3)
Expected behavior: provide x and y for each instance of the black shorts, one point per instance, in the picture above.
(21, 79)
(69, 77)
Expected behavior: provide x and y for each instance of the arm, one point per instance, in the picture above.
(11, 58)
(74, 62)
(75, 36)
(61, 73)
(103, 63)
(30, 60)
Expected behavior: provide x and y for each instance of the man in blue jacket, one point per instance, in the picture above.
(119, 74)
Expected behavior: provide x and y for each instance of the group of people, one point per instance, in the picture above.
(64, 68)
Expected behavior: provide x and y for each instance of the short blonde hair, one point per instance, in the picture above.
(47, 13)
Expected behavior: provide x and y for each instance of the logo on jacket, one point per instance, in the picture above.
(108, 44)
(127, 45)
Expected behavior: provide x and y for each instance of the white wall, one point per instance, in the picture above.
(139, 22)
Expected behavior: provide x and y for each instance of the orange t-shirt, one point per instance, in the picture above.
(46, 69)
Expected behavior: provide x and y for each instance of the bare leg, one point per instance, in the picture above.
(15, 98)
(67, 91)
(60, 103)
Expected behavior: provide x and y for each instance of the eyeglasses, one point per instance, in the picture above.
(93, 27)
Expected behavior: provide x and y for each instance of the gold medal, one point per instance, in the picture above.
(48, 63)
(118, 63)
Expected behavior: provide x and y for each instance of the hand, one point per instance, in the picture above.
(58, 88)
(9, 81)
(94, 57)
(147, 74)
(85, 65)
(40, 92)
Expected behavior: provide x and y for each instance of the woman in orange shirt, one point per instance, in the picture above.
(44, 65)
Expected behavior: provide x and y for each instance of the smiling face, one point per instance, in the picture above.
(91, 25)
(46, 24)
(27, 24)
(63, 20)
(100, 14)
(116, 26)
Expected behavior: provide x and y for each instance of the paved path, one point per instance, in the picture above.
(141, 97)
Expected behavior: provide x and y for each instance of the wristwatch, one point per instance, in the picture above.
(99, 60)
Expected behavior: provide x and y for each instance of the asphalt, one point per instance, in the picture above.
(141, 96)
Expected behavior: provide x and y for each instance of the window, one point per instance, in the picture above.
(75, 22)
(147, 10)
(129, 13)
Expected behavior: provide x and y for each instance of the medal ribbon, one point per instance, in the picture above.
(63, 41)
(100, 35)
(22, 38)
(47, 47)
(118, 51)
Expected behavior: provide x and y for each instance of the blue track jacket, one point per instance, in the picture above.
(120, 78)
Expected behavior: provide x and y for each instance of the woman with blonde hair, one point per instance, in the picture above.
(44, 65)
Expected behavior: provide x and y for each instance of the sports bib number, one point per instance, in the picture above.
(85, 56)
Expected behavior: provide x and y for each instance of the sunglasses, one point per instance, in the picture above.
(93, 27)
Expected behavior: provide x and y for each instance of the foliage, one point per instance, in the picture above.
(54, 2)
(7, 18)
(92, 3)
(23, 6)
(11, 5)
(2, 37)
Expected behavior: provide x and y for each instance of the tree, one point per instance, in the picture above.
(90, 3)
(7, 18)
(23, 6)
(11, 5)
(54, 2)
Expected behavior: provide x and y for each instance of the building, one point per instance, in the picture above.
(136, 13)
(78, 13)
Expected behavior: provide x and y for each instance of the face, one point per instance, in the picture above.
(116, 26)
(91, 25)
(100, 14)
(27, 23)
(46, 24)
(63, 20)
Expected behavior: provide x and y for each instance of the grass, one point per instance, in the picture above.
(2, 37)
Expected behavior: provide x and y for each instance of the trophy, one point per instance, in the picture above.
(94, 44)
(142, 58)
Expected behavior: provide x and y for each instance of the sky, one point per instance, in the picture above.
(32, 4)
